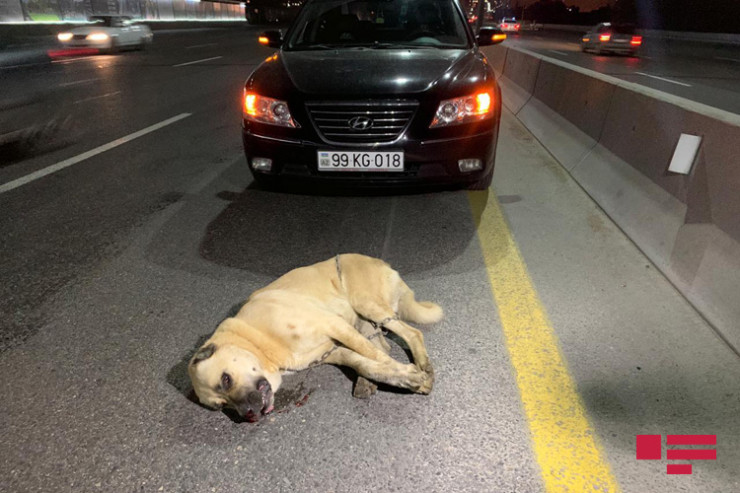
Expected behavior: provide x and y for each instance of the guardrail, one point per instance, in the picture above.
(617, 139)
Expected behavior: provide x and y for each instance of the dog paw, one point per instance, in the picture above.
(427, 383)
(427, 367)
(364, 388)
(422, 382)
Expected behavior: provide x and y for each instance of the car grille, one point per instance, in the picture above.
(79, 36)
(389, 118)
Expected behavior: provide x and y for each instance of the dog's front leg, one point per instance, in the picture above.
(389, 371)
(364, 388)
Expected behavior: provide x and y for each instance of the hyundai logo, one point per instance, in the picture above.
(360, 123)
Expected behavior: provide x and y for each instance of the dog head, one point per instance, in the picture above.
(226, 374)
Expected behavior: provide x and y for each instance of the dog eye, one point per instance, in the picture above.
(225, 381)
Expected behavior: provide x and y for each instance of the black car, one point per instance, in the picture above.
(374, 92)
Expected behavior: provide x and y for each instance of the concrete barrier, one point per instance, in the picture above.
(521, 71)
(617, 139)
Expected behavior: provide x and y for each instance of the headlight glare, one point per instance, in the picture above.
(267, 110)
(64, 36)
(474, 107)
(97, 36)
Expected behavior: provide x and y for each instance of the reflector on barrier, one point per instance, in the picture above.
(685, 154)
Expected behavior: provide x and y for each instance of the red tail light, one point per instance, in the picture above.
(605, 37)
(516, 26)
(636, 40)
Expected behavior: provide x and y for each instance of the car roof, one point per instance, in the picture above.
(109, 16)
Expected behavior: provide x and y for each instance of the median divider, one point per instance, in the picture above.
(617, 139)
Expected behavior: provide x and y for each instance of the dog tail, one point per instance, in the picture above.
(420, 312)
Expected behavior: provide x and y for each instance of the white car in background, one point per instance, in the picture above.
(509, 25)
(109, 32)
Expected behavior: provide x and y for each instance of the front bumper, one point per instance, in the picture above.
(432, 162)
(85, 43)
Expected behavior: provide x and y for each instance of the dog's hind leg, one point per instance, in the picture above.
(390, 372)
(364, 388)
(384, 316)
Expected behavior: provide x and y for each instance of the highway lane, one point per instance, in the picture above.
(111, 97)
(116, 267)
(708, 74)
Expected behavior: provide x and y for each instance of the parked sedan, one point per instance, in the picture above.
(371, 92)
(611, 38)
(109, 32)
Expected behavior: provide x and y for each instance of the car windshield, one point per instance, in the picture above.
(107, 21)
(335, 24)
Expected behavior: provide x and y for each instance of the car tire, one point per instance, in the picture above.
(483, 183)
(263, 182)
(114, 47)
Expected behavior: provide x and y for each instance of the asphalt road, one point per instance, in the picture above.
(706, 73)
(114, 269)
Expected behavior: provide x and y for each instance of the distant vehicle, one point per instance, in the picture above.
(509, 25)
(612, 38)
(488, 19)
(109, 33)
(271, 11)
(374, 93)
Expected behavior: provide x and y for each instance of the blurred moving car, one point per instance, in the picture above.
(110, 33)
(509, 25)
(374, 93)
(612, 38)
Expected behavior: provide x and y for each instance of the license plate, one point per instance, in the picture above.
(360, 160)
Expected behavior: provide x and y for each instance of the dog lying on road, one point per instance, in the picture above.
(330, 312)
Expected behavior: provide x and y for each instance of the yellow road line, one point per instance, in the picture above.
(564, 442)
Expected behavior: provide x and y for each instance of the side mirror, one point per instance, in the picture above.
(272, 39)
(490, 36)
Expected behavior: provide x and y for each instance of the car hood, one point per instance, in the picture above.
(371, 71)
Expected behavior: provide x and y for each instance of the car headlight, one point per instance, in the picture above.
(475, 107)
(97, 36)
(64, 36)
(267, 110)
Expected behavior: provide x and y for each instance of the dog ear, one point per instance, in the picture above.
(203, 353)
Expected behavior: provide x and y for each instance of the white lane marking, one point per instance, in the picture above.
(79, 59)
(6, 187)
(96, 97)
(200, 46)
(728, 59)
(197, 61)
(663, 79)
(22, 65)
(559, 52)
(74, 83)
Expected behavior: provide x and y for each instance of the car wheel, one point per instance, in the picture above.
(483, 183)
(114, 47)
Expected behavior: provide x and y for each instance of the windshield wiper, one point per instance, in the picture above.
(314, 47)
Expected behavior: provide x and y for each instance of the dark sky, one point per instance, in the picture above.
(585, 5)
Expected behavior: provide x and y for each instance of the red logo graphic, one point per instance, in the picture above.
(649, 447)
